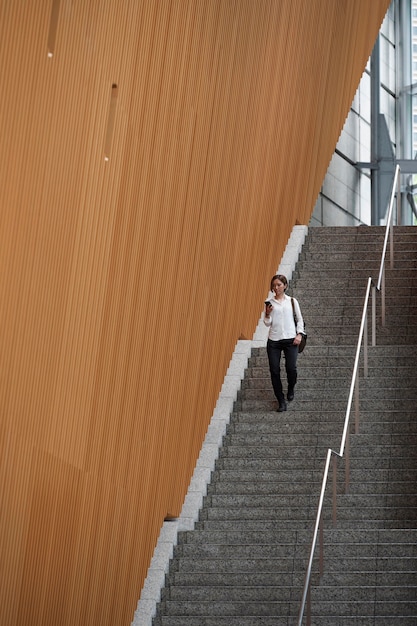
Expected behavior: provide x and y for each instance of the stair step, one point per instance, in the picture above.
(243, 551)
(273, 463)
(228, 608)
(356, 501)
(288, 448)
(385, 579)
(306, 523)
(303, 401)
(281, 488)
(330, 620)
(292, 449)
(263, 566)
(398, 419)
(308, 379)
(372, 553)
(270, 608)
(250, 439)
(372, 608)
(242, 440)
(242, 537)
(229, 580)
(304, 487)
(246, 478)
(220, 593)
(259, 375)
(366, 593)
(218, 620)
(355, 620)
(259, 524)
(332, 425)
(276, 514)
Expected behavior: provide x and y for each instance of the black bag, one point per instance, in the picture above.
(303, 341)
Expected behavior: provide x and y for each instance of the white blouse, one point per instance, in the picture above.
(281, 319)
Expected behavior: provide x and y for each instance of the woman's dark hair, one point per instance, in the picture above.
(280, 277)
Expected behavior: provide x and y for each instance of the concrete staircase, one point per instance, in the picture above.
(244, 563)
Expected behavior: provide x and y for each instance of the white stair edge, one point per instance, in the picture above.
(158, 568)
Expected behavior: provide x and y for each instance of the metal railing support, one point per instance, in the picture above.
(356, 404)
(398, 203)
(391, 247)
(334, 508)
(365, 347)
(321, 552)
(347, 464)
(373, 315)
(383, 298)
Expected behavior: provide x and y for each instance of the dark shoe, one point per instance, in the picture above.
(290, 395)
(282, 407)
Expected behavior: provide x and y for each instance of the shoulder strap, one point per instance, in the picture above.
(293, 312)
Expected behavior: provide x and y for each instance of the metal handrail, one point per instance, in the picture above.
(330, 451)
(354, 386)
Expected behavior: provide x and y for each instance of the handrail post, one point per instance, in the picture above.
(398, 205)
(347, 463)
(391, 246)
(356, 404)
(334, 511)
(321, 546)
(383, 298)
(365, 347)
(373, 315)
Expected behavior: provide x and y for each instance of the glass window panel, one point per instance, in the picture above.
(387, 64)
(364, 141)
(365, 97)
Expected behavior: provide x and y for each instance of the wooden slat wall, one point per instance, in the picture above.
(125, 283)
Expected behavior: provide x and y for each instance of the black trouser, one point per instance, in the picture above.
(274, 349)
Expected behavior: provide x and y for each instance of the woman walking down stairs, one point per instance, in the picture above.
(245, 561)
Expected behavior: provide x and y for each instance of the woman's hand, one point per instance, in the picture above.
(268, 309)
(297, 339)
